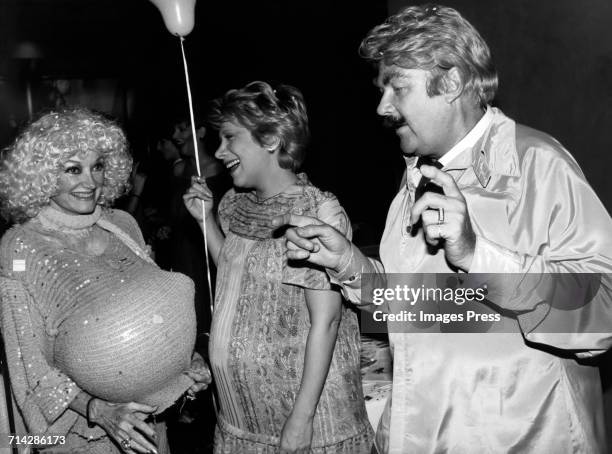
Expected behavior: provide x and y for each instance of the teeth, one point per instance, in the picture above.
(232, 163)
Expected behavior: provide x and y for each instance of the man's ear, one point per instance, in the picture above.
(453, 85)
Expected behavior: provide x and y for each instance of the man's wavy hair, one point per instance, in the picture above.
(269, 114)
(31, 165)
(435, 38)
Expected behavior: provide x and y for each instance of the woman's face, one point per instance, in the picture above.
(248, 162)
(80, 183)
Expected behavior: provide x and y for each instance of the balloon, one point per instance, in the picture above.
(178, 15)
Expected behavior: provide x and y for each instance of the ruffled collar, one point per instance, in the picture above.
(53, 219)
(251, 218)
(302, 180)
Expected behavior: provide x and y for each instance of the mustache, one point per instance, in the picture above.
(392, 122)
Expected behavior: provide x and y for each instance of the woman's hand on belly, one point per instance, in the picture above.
(125, 423)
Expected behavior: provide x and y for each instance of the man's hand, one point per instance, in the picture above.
(456, 228)
(314, 241)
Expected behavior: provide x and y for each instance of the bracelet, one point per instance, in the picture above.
(135, 195)
(90, 424)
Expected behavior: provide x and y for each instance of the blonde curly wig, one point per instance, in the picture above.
(31, 165)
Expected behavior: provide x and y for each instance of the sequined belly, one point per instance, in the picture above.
(131, 341)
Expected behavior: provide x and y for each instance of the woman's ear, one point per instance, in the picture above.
(272, 143)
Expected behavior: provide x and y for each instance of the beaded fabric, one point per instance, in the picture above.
(112, 324)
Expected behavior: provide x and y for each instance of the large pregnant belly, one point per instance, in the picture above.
(133, 343)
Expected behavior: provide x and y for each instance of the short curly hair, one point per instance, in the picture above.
(31, 165)
(269, 113)
(435, 38)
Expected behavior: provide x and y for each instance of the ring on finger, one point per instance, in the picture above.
(126, 443)
(440, 216)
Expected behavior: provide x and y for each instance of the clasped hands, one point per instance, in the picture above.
(200, 374)
(321, 244)
(126, 422)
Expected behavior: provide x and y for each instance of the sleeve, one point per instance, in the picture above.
(349, 278)
(310, 276)
(42, 392)
(562, 295)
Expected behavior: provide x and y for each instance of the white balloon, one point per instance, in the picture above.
(178, 15)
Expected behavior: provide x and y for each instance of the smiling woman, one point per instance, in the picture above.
(284, 350)
(38, 160)
(97, 337)
(80, 184)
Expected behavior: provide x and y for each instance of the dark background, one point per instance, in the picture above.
(310, 44)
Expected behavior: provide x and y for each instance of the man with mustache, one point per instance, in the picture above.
(512, 201)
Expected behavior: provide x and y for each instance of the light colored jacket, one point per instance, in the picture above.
(524, 388)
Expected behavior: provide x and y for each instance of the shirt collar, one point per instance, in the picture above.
(470, 139)
(493, 150)
(468, 142)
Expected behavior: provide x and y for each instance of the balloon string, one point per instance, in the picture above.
(197, 156)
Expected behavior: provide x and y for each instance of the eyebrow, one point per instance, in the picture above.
(228, 130)
(73, 161)
(389, 75)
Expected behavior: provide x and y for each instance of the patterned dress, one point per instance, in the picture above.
(260, 328)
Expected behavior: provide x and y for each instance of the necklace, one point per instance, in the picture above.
(263, 200)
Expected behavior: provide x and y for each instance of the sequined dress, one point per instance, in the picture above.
(109, 322)
(260, 327)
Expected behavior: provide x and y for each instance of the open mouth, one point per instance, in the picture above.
(232, 165)
(84, 196)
